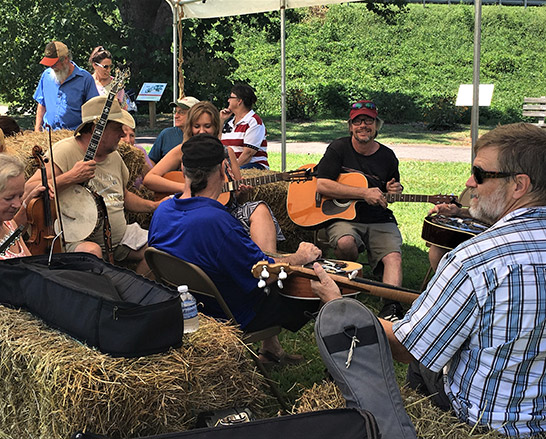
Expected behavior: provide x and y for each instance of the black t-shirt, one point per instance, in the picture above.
(378, 168)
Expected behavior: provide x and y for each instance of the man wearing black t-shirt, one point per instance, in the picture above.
(374, 228)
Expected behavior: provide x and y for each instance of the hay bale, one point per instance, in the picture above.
(52, 385)
(430, 422)
(274, 194)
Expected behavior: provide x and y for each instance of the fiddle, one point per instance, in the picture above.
(41, 214)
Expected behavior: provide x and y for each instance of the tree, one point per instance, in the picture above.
(137, 32)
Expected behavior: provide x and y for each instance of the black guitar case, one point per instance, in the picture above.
(325, 424)
(102, 305)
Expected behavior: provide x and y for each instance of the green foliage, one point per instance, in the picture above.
(411, 64)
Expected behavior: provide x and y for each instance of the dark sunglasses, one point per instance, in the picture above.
(359, 105)
(366, 120)
(480, 175)
(103, 66)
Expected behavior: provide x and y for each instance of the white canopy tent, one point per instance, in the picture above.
(183, 9)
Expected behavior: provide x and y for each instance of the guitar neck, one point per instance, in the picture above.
(230, 186)
(435, 199)
(378, 289)
(99, 128)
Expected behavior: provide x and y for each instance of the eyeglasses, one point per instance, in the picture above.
(359, 105)
(480, 175)
(233, 97)
(107, 66)
(181, 111)
(367, 121)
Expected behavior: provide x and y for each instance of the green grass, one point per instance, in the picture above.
(429, 178)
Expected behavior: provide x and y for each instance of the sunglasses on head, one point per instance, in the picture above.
(480, 175)
(359, 105)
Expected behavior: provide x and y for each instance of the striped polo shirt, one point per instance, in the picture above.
(248, 132)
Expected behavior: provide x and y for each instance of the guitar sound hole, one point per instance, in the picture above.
(334, 207)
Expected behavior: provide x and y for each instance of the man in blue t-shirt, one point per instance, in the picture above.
(193, 226)
(170, 137)
(62, 90)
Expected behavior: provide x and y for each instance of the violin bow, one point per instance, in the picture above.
(57, 205)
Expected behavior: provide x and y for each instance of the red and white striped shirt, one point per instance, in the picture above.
(249, 132)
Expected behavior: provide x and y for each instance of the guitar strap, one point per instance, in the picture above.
(106, 229)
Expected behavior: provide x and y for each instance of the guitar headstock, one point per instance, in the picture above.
(298, 175)
(275, 268)
(438, 199)
(121, 77)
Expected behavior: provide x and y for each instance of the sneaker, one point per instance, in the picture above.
(391, 312)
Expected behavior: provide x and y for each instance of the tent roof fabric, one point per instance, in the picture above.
(224, 8)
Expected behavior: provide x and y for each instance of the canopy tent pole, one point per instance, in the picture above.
(475, 116)
(283, 86)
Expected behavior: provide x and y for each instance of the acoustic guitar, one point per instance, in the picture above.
(307, 208)
(346, 283)
(297, 176)
(448, 232)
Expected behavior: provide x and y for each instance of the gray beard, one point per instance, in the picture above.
(61, 75)
(490, 209)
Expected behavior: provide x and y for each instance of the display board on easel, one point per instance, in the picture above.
(151, 92)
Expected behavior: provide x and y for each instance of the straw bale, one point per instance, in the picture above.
(52, 385)
(430, 422)
(274, 194)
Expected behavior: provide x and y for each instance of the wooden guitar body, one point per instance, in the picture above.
(448, 232)
(308, 209)
(178, 177)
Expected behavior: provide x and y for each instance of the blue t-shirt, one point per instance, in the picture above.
(63, 102)
(201, 231)
(167, 140)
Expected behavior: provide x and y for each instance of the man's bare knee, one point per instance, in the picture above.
(89, 247)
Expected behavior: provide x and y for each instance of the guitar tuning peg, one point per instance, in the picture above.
(264, 274)
(352, 274)
(282, 274)
(266, 290)
(261, 283)
(280, 284)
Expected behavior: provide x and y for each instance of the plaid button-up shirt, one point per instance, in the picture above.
(483, 319)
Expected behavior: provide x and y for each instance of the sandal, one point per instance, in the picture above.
(269, 359)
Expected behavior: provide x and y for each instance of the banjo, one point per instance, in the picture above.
(80, 205)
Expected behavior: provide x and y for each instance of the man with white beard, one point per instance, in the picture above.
(63, 89)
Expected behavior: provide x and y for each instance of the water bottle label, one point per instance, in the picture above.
(189, 309)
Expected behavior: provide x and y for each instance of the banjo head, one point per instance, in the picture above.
(79, 213)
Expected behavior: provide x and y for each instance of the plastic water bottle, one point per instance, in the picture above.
(189, 310)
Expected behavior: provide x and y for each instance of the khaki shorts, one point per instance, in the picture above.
(379, 239)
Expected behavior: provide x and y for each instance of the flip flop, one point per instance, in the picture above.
(269, 359)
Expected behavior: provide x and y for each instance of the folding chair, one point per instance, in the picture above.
(173, 271)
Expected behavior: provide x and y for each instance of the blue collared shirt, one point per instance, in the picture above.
(63, 102)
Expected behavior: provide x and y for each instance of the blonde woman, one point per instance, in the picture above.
(255, 216)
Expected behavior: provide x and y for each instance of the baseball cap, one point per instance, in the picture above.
(365, 107)
(202, 151)
(92, 111)
(54, 51)
(185, 103)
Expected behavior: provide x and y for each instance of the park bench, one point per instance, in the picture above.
(535, 107)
